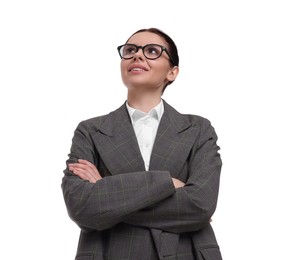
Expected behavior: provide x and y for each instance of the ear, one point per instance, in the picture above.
(172, 74)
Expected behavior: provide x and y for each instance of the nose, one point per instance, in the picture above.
(139, 54)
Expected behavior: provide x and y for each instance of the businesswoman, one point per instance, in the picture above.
(142, 181)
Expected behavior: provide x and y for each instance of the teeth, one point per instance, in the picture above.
(137, 69)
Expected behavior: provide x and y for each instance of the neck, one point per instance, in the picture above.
(143, 101)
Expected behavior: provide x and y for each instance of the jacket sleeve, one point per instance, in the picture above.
(191, 207)
(110, 200)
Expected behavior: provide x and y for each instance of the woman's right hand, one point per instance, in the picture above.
(177, 183)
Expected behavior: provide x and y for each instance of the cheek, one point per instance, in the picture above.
(160, 65)
(162, 71)
(122, 65)
(123, 68)
(124, 72)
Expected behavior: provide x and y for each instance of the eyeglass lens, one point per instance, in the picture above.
(151, 51)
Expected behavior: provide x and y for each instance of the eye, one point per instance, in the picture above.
(129, 49)
(153, 50)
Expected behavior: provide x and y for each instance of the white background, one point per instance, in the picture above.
(241, 66)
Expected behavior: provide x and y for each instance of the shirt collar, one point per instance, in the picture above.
(155, 112)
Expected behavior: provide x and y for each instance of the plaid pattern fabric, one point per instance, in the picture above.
(136, 214)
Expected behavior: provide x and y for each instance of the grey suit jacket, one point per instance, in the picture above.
(132, 213)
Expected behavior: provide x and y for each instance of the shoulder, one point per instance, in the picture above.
(105, 121)
(197, 120)
(203, 124)
(191, 119)
(94, 121)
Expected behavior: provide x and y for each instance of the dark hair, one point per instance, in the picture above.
(172, 49)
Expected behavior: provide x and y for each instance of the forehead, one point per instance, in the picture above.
(144, 38)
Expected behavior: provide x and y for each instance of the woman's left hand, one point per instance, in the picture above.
(85, 170)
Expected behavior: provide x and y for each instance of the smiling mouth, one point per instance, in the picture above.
(137, 69)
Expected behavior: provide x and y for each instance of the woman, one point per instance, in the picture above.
(142, 182)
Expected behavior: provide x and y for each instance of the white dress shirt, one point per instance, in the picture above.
(145, 126)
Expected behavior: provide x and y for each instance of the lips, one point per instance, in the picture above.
(137, 67)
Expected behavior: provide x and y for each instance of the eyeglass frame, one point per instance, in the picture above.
(163, 49)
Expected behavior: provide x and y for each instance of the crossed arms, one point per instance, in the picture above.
(88, 171)
(150, 199)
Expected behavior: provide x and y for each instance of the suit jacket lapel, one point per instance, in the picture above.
(119, 151)
(173, 142)
(117, 144)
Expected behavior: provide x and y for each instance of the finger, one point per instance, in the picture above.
(85, 167)
(82, 175)
(81, 167)
(82, 170)
(86, 162)
(85, 173)
(91, 167)
(177, 183)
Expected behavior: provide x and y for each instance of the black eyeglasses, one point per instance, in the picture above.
(150, 51)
